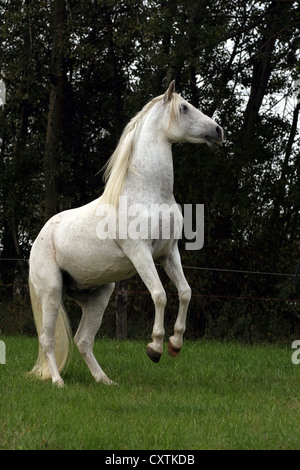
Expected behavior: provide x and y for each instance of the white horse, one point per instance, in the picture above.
(69, 253)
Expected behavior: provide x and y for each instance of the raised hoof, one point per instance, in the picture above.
(153, 355)
(172, 350)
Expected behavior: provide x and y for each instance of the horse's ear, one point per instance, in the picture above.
(168, 94)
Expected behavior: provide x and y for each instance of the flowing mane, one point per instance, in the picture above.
(119, 163)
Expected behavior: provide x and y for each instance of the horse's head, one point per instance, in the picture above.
(186, 123)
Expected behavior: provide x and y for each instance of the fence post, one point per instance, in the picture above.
(121, 309)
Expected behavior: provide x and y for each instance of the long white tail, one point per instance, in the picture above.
(63, 338)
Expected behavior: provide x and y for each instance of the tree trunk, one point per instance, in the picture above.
(281, 197)
(262, 68)
(54, 121)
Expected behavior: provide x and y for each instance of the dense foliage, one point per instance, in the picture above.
(76, 71)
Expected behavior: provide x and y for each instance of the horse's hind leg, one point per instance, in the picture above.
(47, 343)
(93, 305)
(50, 303)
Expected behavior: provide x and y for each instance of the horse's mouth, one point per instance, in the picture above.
(209, 139)
(212, 141)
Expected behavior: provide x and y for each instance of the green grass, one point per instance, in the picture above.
(214, 396)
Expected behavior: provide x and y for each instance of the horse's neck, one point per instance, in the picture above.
(152, 168)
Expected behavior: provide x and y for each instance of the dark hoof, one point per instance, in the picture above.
(172, 350)
(153, 355)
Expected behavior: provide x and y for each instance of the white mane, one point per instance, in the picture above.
(118, 165)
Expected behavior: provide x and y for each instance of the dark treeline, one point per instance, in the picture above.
(76, 71)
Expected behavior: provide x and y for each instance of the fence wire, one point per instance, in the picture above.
(202, 268)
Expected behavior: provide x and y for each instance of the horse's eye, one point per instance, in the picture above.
(184, 108)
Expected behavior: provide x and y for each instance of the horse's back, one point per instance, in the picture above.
(70, 238)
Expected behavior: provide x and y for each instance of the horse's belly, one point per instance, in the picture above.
(161, 247)
(94, 264)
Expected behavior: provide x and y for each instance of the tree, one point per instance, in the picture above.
(55, 113)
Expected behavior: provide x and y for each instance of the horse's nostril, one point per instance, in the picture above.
(218, 130)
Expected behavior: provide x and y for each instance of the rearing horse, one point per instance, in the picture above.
(69, 253)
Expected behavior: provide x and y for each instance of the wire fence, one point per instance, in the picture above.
(199, 295)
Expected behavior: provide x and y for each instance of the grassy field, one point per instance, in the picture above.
(214, 396)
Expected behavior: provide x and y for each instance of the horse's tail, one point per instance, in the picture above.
(63, 338)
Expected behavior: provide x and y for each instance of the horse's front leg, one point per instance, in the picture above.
(173, 268)
(142, 260)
